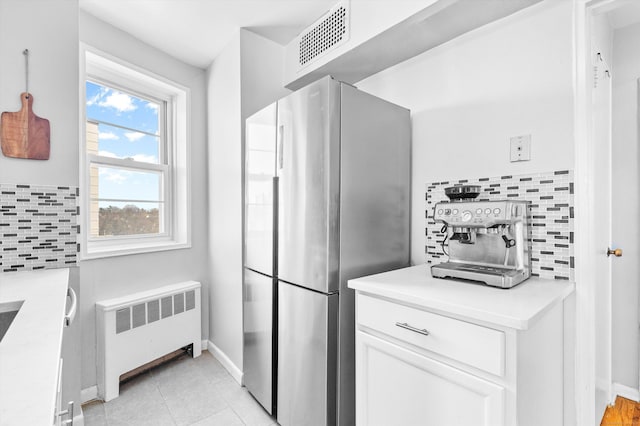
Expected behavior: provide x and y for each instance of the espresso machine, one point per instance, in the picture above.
(488, 240)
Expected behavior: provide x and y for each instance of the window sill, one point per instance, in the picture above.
(131, 248)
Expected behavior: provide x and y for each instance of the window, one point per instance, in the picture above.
(135, 180)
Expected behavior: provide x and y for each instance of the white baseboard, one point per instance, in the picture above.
(203, 345)
(604, 389)
(89, 394)
(626, 392)
(235, 372)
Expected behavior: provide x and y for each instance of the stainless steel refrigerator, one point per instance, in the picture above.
(327, 199)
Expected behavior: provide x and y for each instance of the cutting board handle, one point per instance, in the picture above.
(27, 101)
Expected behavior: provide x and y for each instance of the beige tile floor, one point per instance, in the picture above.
(186, 391)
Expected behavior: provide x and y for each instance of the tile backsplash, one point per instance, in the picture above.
(38, 227)
(551, 217)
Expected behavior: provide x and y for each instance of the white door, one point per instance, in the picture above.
(601, 227)
(395, 386)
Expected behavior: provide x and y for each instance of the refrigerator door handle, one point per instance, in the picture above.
(280, 146)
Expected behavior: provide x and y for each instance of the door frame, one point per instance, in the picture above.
(586, 251)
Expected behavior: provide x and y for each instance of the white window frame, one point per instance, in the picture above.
(173, 164)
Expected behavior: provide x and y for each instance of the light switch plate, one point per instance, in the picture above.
(521, 148)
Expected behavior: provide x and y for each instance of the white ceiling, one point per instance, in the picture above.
(196, 31)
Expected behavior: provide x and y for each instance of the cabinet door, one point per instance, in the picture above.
(395, 386)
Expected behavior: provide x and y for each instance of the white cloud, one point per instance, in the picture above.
(107, 136)
(145, 158)
(115, 176)
(107, 154)
(120, 101)
(134, 136)
(152, 106)
(98, 96)
(93, 100)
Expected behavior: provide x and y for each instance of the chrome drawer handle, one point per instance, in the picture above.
(423, 331)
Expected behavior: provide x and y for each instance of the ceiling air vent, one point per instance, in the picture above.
(327, 33)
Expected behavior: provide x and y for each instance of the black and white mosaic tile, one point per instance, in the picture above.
(551, 217)
(38, 227)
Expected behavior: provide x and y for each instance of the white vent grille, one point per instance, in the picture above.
(135, 316)
(327, 33)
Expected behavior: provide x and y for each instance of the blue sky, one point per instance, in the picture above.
(140, 117)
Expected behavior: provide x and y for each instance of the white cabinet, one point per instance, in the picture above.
(418, 365)
(396, 386)
(57, 420)
(60, 415)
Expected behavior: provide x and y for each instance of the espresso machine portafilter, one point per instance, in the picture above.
(488, 241)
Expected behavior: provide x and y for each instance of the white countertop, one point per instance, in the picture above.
(517, 307)
(30, 350)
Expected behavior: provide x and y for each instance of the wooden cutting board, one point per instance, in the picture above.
(23, 134)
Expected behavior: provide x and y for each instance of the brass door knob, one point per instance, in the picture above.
(615, 252)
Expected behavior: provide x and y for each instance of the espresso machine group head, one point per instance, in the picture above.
(488, 241)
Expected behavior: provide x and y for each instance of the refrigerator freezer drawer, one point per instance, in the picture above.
(307, 340)
(258, 335)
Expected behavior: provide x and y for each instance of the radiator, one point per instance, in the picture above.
(141, 327)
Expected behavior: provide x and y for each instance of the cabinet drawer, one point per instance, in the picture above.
(471, 344)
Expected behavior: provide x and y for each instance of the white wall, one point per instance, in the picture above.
(603, 37)
(225, 203)
(52, 40)
(118, 276)
(626, 204)
(470, 95)
(49, 29)
(261, 61)
(246, 77)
